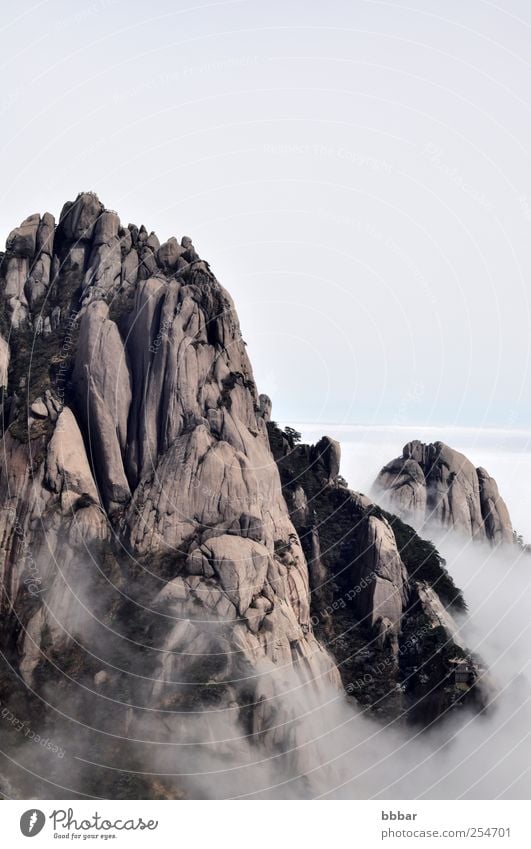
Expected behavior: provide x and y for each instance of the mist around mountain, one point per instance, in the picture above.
(195, 603)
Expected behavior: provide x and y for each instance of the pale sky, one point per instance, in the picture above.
(356, 173)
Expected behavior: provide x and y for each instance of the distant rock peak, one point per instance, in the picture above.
(432, 482)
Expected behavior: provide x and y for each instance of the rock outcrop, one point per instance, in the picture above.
(382, 600)
(434, 483)
(157, 575)
(139, 500)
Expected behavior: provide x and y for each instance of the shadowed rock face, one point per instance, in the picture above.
(150, 568)
(382, 600)
(142, 520)
(434, 483)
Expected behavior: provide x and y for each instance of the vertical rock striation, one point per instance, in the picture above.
(153, 566)
(434, 483)
(139, 500)
(382, 600)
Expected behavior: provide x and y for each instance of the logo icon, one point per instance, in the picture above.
(32, 822)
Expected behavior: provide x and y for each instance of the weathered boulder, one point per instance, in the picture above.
(4, 362)
(102, 383)
(105, 267)
(68, 471)
(153, 242)
(265, 407)
(45, 234)
(240, 565)
(129, 270)
(405, 479)
(497, 521)
(78, 218)
(106, 228)
(37, 283)
(190, 253)
(169, 253)
(22, 241)
(16, 274)
(327, 453)
(382, 573)
(39, 409)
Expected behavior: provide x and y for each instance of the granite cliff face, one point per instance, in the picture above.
(156, 572)
(434, 483)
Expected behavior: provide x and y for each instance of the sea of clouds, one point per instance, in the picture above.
(469, 756)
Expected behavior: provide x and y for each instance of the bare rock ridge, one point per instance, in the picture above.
(168, 553)
(382, 600)
(140, 504)
(435, 483)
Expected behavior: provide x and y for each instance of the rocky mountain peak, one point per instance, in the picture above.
(166, 548)
(434, 483)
